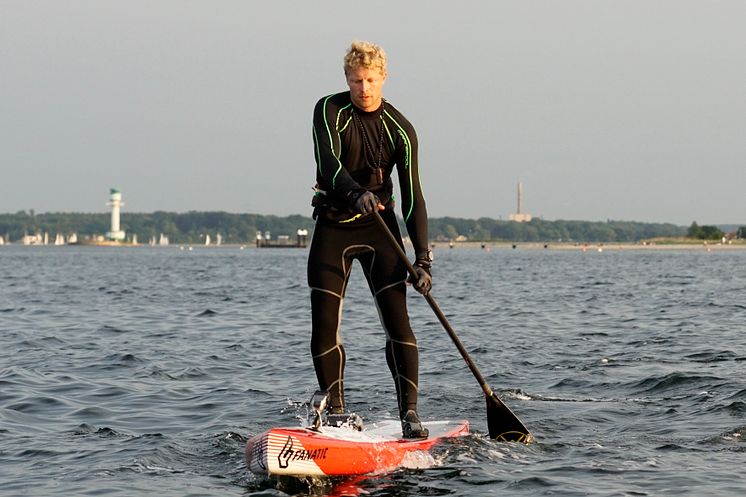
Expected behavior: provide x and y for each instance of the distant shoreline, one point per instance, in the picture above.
(588, 247)
(734, 245)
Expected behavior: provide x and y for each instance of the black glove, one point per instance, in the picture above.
(363, 202)
(424, 281)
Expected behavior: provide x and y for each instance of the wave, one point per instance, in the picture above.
(673, 381)
(713, 356)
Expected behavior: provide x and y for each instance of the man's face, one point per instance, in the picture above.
(366, 87)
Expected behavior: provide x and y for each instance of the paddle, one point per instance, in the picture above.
(501, 422)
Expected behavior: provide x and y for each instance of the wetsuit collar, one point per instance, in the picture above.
(368, 115)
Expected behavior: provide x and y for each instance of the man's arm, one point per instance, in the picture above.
(328, 149)
(413, 206)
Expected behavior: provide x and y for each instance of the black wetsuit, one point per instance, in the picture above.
(346, 164)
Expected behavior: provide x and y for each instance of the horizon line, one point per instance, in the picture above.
(32, 212)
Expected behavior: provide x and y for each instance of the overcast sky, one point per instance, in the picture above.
(623, 110)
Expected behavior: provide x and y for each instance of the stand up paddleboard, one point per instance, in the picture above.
(343, 449)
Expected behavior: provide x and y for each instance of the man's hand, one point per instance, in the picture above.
(364, 202)
(424, 281)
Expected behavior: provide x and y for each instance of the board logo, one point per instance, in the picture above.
(288, 454)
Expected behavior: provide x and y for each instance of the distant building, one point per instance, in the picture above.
(520, 216)
(115, 201)
(265, 240)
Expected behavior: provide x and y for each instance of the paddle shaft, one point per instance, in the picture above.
(434, 306)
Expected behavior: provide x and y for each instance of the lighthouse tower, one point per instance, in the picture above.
(115, 201)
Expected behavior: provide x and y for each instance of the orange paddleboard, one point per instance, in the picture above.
(333, 451)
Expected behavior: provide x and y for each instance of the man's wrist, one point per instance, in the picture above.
(424, 256)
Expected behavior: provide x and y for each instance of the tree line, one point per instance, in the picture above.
(708, 232)
(192, 227)
(539, 230)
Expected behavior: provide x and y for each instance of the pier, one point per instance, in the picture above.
(282, 241)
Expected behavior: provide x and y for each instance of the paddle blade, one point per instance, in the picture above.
(503, 424)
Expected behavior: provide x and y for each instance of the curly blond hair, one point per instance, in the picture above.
(366, 55)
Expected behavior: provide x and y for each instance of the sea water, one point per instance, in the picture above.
(142, 371)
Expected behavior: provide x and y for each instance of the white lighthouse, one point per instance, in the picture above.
(115, 201)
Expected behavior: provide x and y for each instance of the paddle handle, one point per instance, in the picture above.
(436, 309)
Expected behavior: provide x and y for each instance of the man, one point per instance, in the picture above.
(358, 139)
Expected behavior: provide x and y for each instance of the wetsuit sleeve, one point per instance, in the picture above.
(413, 201)
(331, 173)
